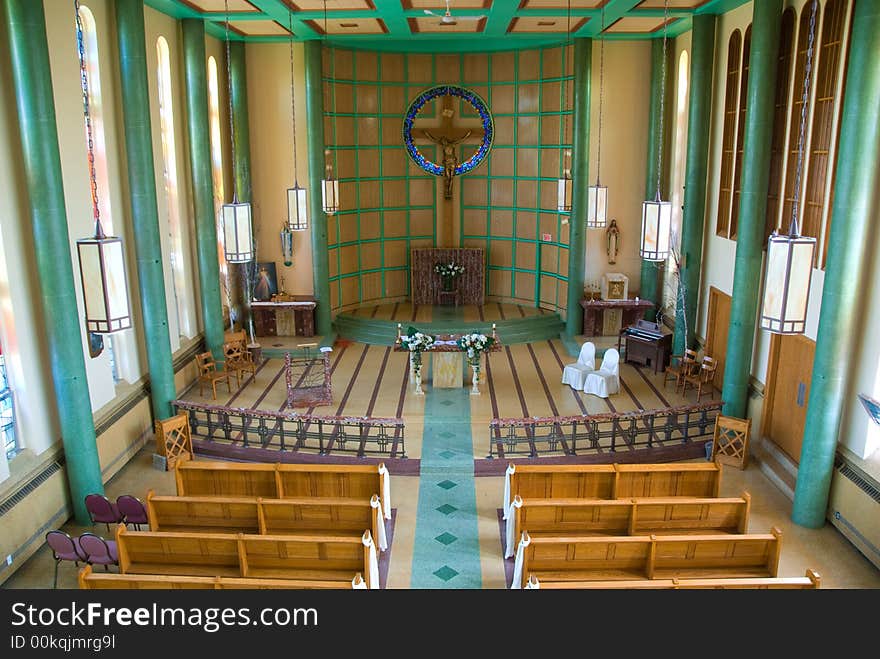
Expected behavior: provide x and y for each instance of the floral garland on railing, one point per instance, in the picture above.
(451, 269)
(475, 344)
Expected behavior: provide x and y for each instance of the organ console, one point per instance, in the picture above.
(647, 344)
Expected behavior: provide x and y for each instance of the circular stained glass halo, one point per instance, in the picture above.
(474, 99)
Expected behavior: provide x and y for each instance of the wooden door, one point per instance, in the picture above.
(788, 392)
(716, 330)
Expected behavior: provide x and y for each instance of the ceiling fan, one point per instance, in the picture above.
(449, 19)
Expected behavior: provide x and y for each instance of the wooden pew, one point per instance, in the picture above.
(256, 515)
(611, 481)
(89, 580)
(641, 516)
(283, 480)
(309, 558)
(561, 558)
(811, 580)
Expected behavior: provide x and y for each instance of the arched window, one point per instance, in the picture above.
(725, 191)
(169, 159)
(679, 158)
(217, 164)
(740, 132)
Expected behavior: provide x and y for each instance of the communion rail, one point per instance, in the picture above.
(598, 433)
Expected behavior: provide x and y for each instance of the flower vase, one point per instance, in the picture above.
(448, 284)
(475, 379)
(416, 363)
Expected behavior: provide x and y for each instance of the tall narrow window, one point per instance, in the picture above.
(7, 412)
(725, 191)
(740, 132)
(670, 283)
(169, 159)
(96, 113)
(780, 113)
(216, 160)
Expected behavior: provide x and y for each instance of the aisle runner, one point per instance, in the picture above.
(446, 553)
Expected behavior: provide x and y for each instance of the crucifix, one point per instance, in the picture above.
(444, 131)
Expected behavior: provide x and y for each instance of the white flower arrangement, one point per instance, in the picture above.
(452, 269)
(475, 344)
(417, 342)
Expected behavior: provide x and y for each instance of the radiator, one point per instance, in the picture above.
(854, 509)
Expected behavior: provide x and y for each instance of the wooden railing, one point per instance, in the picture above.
(597, 433)
(289, 431)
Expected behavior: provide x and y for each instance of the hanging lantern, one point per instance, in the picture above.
(101, 258)
(790, 258)
(597, 206)
(329, 189)
(287, 245)
(297, 209)
(656, 228)
(238, 243)
(564, 192)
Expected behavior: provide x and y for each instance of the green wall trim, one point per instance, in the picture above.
(144, 206)
(318, 220)
(693, 215)
(41, 159)
(201, 172)
(766, 19)
(851, 247)
(574, 318)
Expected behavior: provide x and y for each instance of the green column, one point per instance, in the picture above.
(242, 164)
(144, 209)
(851, 246)
(651, 279)
(29, 53)
(693, 215)
(318, 220)
(580, 166)
(747, 274)
(195, 76)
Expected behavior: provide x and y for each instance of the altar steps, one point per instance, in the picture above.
(384, 332)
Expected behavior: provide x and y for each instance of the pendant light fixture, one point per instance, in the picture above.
(564, 184)
(790, 257)
(297, 208)
(101, 257)
(238, 242)
(657, 214)
(330, 186)
(597, 195)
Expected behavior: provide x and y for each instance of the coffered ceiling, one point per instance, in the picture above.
(471, 24)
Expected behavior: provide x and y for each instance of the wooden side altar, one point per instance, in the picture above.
(426, 285)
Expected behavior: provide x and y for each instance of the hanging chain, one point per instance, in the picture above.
(328, 166)
(795, 209)
(565, 56)
(229, 94)
(84, 79)
(601, 98)
(662, 99)
(292, 100)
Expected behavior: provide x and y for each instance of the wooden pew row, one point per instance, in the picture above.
(811, 580)
(256, 515)
(89, 580)
(641, 516)
(307, 558)
(282, 480)
(560, 558)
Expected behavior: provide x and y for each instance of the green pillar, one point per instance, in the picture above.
(29, 54)
(651, 279)
(195, 75)
(693, 215)
(580, 166)
(851, 246)
(242, 164)
(318, 220)
(144, 208)
(766, 18)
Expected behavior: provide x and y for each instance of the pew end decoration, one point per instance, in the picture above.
(731, 442)
(173, 440)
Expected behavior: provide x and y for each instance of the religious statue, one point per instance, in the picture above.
(612, 241)
(450, 160)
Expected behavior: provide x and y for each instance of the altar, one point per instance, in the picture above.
(426, 285)
(447, 362)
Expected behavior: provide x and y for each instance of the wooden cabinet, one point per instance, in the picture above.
(594, 314)
(293, 316)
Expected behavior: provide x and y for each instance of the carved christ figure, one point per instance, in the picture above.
(612, 241)
(450, 160)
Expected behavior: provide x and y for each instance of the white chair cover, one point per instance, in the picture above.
(575, 375)
(386, 490)
(605, 381)
(506, 503)
(533, 583)
(381, 539)
(510, 530)
(372, 561)
(516, 584)
(358, 583)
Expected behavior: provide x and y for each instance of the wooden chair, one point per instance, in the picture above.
(209, 374)
(679, 367)
(703, 378)
(730, 444)
(239, 360)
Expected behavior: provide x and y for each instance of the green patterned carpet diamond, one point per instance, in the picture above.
(447, 485)
(446, 573)
(446, 538)
(446, 509)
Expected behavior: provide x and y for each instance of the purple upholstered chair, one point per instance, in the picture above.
(132, 510)
(99, 551)
(102, 510)
(64, 548)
